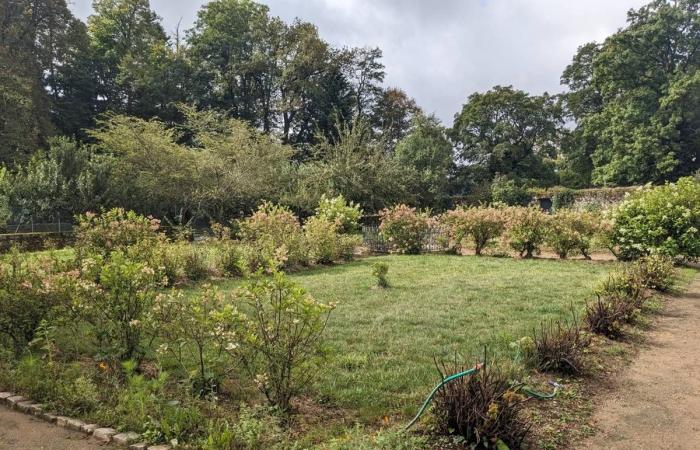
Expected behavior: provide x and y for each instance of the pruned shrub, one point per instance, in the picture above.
(570, 231)
(281, 336)
(607, 315)
(380, 270)
(345, 215)
(483, 408)
(526, 229)
(482, 225)
(558, 347)
(276, 227)
(404, 228)
(116, 229)
(656, 272)
(508, 191)
(662, 219)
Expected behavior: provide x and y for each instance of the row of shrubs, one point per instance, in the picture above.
(525, 230)
(102, 331)
(486, 409)
(651, 220)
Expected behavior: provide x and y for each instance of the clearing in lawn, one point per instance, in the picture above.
(383, 341)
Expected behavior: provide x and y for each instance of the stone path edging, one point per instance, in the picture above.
(127, 439)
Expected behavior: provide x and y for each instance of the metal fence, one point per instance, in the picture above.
(375, 243)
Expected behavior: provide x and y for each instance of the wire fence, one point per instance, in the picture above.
(37, 227)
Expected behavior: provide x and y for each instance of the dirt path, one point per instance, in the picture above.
(656, 401)
(22, 432)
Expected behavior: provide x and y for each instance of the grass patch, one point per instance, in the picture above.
(383, 341)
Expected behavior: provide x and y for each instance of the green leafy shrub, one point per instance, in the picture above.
(346, 215)
(115, 229)
(117, 304)
(563, 198)
(231, 260)
(662, 219)
(190, 334)
(255, 429)
(569, 231)
(380, 270)
(656, 271)
(526, 229)
(276, 227)
(558, 347)
(625, 284)
(31, 291)
(195, 260)
(321, 240)
(281, 337)
(506, 190)
(482, 408)
(404, 228)
(482, 225)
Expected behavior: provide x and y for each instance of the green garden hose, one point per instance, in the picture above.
(530, 392)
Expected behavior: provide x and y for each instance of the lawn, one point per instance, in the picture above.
(383, 342)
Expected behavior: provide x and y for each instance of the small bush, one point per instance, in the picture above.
(656, 272)
(255, 429)
(231, 260)
(558, 347)
(404, 228)
(526, 230)
(195, 260)
(627, 285)
(281, 336)
(345, 215)
(275, 227)
(482, 225)
(563, 198)
(115, 229)
(380, 271)
(570, 231)
(322, 240)
(483, 408)
(607, 315)
(662, 219)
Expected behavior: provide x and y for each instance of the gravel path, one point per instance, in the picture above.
(656, 403)
(23, 432)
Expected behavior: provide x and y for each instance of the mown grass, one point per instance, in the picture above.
(383, 341)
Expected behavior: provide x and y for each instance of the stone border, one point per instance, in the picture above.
(102, 435)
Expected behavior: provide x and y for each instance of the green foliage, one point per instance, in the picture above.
(663, 219)
(380, 270)
(276, 227)
(507, 190)
(115, 230)
(254, 429)
(656, 271)
(569, 231)
(386, 439)
(482, 225)
(526, 229)
(346, 215)
(509, 132)
(281, 337)
(324, 244)
(404, 228)
(31, 291)
(563, 198)
(116, 306)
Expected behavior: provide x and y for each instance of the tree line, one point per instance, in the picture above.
(207, 122)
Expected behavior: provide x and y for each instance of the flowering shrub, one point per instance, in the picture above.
(281, 336)
(115, 229)
(404, 228)
(346, 215)
(570, 231)
(117, 304)
(526, 229)
(30, 292)
(324, 243)
(663, 219)
(277, 227)
(656, 271)
(482, 225)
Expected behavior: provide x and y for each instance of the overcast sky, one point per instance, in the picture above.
(440, 51)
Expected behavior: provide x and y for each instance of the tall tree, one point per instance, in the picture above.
(393, 115)
(506, 131)
(634, 97)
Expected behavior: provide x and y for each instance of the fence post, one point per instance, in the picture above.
(59, 223)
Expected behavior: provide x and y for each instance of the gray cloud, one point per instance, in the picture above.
(441, 51)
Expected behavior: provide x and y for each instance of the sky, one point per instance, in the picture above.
(441, 51)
